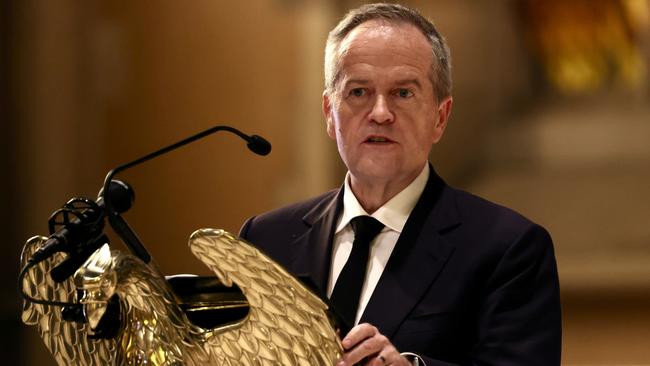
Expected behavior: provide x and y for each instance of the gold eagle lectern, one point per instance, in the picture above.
(286, 324)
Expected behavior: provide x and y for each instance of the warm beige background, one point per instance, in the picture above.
(89, 85)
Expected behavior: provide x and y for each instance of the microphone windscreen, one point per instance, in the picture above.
(259, 145)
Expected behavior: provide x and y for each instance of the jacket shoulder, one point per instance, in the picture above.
(298, 210)
(291, 214)
(492, 219)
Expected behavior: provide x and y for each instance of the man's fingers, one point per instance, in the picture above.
(358, 334)
(365, 343)
(379, 360)
(388, 356)
(368, 348)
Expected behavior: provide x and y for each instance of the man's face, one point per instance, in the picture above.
(383, 112)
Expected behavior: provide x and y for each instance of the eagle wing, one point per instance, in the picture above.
(286, 324)
(67, 341)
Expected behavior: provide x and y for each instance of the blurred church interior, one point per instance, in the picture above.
(551, 117)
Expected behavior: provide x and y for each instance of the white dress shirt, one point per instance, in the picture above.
(393, 214)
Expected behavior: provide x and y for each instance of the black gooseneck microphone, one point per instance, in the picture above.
(256, 144)
(82, 234)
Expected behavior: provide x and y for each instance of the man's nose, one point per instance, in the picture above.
(381, 112)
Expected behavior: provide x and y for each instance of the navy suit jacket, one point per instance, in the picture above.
(468, 283)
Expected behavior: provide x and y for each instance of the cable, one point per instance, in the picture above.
(31, 299)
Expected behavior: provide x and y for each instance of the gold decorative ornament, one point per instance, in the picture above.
(286, 324)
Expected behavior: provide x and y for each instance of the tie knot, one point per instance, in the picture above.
(365, 228)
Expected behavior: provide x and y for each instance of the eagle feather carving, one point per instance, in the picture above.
(286, 323)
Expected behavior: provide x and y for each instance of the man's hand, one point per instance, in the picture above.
(365, 345)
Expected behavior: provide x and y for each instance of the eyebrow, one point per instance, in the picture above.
(415, 82)
(403, 82)
(356, 81)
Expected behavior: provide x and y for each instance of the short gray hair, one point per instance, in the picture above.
(392, 13)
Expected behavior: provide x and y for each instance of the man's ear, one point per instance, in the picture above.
(329, 118)
(444, 111)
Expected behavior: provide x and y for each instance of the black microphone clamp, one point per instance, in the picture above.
(79, 222)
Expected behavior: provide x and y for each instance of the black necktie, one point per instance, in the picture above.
(347, 291)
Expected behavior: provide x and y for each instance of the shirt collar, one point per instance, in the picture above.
(394, 213)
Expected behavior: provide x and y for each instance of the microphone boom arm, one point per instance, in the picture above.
(256, 143)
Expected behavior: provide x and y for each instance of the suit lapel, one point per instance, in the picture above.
(419, 256)
(313, 249)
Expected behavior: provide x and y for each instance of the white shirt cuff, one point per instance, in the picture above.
(414, 359)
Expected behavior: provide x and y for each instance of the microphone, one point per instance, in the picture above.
(255, 143)
(72, 232)
(87, 222)
(259, 145)
(115, 197)
(82, 234)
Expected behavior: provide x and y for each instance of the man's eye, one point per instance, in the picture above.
(357, 92)
(404, 93)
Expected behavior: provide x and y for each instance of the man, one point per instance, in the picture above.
(450, 279)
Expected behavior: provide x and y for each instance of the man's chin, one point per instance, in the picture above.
(381, 172)
(377, 173)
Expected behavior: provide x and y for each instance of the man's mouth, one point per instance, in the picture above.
(378, 139)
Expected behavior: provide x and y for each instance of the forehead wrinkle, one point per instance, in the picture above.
(374, 29)
(363, 49)
(395, 75)
(390, 41)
